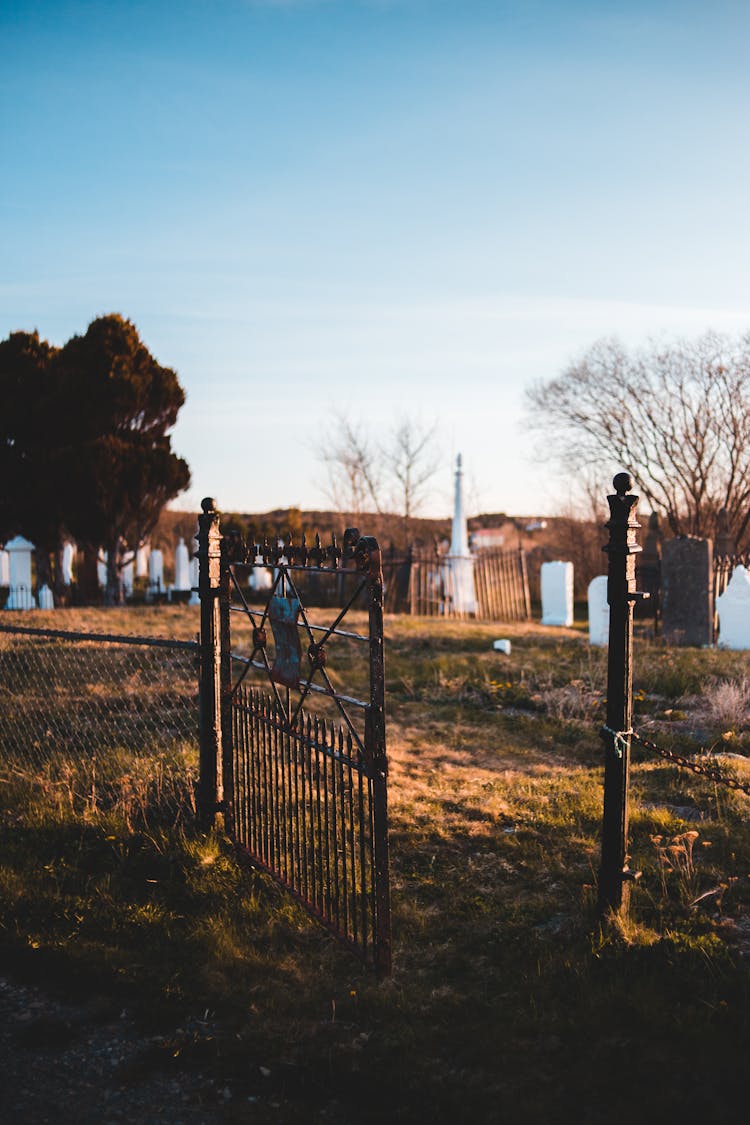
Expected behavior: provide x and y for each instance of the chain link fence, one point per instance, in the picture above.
(100, 720)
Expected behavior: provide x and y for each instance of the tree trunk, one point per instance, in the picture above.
(113, 589)
(87, 577)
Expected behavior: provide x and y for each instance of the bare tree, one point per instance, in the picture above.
(411, 461)
(364, 474)
(353, 463)
(676, 416)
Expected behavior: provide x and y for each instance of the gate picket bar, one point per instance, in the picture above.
(304, 795)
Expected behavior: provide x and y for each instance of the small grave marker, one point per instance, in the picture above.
(156, 571)
(19, 574)
(733, 608)
(46, 600)
(557, 593)
(687, 591)
(598, 611)
(181, 567)
(141, 561)
(68, 554)
(127, 576)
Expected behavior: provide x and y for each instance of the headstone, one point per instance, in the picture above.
(598, 611)
(46, 600)
(101, 568)
(181, 567)
(19, 574)
(4, 568)
(502, 645)
(156, 571)
(733, 609)
(459, 563)
(141, 561)
(195, 573)
(687, 591)
(260, 577)
(68, 554)
(557, 593)
(128, 576)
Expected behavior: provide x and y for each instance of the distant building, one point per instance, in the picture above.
(487, 537)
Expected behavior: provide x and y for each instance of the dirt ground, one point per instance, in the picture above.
(90, 1063)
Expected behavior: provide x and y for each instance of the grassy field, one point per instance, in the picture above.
(508, 1001)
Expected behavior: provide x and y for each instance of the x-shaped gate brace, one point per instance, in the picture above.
(285, 612)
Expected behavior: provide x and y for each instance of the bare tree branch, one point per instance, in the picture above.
(354, 467)
(365, 475)
(411, 460)
(678, 417)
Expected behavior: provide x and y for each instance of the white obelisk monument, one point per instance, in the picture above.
(459, 563)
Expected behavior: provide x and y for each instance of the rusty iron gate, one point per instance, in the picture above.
(302, 782)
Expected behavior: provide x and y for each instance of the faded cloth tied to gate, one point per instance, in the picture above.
(283, 614)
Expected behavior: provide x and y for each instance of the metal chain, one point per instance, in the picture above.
(711, 772)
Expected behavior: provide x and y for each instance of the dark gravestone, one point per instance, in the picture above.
(687, 591)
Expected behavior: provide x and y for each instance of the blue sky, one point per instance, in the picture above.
(381, 208)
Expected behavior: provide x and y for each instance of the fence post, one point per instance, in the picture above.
(614, 875)
(369, 560)
(225, 798)
(525, 584)
(210, 782)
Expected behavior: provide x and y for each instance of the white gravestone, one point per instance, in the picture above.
(598, 611)
(156, 570)
(195, 573)
(181, 567)
(19, 574)
(68, 554)
(46, 600)
(4, 568)
(260, 578)
(557, 593)
(128, 575)
(733, 608)
(101, 568)
(141, 561)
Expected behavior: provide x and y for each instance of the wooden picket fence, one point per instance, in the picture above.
(416, 584)
(502, 585)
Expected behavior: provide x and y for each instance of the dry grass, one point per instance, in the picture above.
(726, 703)
(508, 1002)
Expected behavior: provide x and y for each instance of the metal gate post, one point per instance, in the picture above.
(210, 782)
(614, 875)
(369, 559)
(225, 766)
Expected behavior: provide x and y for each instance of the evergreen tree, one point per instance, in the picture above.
(85, 447)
